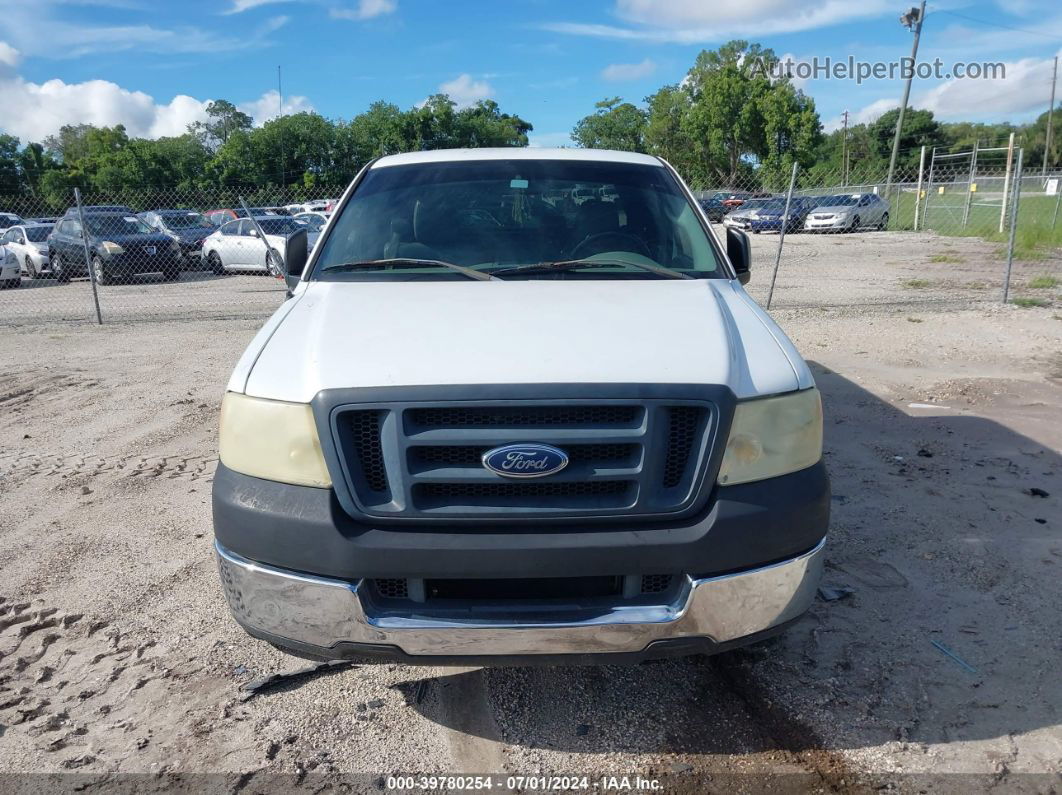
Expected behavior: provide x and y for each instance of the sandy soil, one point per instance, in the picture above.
(117, 654)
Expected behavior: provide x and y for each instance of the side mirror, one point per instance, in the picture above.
(296, 252)
(252, 232)
(739, 250)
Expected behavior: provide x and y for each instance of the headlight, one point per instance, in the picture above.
(111, 248)
(271, 439)
(773, 436)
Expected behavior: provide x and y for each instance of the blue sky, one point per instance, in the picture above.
(153, 65)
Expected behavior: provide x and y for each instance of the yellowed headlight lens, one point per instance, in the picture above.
(271, 439)
(772, 437)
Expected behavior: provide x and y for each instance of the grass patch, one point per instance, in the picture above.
(1044, 282)
(1026, 303)
(914, 320)
(946, 258)
(975, 286)
(917, 284)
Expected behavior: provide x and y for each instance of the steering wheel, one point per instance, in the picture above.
(626, 241)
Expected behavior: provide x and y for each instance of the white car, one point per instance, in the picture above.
(236, 246)
(482, 428)
(10, 275)
(30, 246)
(847, 213)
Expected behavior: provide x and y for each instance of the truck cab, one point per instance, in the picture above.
(490, 428)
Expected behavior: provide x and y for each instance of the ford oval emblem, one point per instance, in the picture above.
(525, 460)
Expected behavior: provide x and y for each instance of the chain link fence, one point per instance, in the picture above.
(948, 235)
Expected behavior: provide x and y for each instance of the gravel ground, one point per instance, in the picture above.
(118, 656)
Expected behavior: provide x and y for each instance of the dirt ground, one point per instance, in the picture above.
(939, 668)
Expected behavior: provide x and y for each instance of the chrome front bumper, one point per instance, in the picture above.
(310, 611)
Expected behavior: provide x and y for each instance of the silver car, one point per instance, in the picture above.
(848, 212)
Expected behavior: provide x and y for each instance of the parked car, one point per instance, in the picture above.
(99, 208)
(219, 217)
(770, 216)
(120, 246)
(9, 269)
(10, 219)
(43, 219)
(736, 200)
(236, 246)
(848, 212)
(473, 434)
(30, 246)
(741, 217)
(188, 227)
(314, 223)
(713, 206)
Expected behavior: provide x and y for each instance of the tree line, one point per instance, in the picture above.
(728, 123)
(301, 153)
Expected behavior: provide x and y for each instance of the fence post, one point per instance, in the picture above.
(1006, 184)
(781, 234)
(970, 186)
(1058, 200)
(929, 188)
(88, 259)
(1015, 194)
(918, 192)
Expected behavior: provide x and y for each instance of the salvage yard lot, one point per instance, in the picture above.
(943, 440)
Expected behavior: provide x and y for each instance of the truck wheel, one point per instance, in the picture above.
(100, 273)
(58, 270)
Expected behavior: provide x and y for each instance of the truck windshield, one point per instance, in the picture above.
(500, 214)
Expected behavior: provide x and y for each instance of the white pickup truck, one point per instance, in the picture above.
(494, 425)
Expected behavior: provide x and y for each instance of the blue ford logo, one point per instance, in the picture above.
(525, 460)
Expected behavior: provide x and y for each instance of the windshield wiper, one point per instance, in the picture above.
(409, 262)
(572, 264)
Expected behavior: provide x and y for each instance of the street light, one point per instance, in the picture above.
(912, 20)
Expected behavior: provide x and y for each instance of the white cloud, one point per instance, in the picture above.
(629, 71)
(465, 91)
(694, 21)
(9, 56)
(366, 9)
(865, 115)
(37, 31)
(239, 6)
(1026, 87)
(34, 111)
(265, 107)
(550, 139)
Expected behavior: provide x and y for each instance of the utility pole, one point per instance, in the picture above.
(844, 152)
(914, 18)
(1050, 118)
(280, 130)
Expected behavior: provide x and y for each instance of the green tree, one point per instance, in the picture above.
(919, 129)
(10, 176)
(223, 119)
(615, 125)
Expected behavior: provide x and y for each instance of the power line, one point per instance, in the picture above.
(998, 25)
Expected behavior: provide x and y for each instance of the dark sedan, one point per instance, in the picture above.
(187, 227)
(770, 216)
(119, 246)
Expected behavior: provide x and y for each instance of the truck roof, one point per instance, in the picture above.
(515, 153)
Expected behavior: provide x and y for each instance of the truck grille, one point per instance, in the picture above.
(416, 461)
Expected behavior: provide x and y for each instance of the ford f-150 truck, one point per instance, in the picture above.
(491, 425)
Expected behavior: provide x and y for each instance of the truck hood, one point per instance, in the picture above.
(367, 334)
